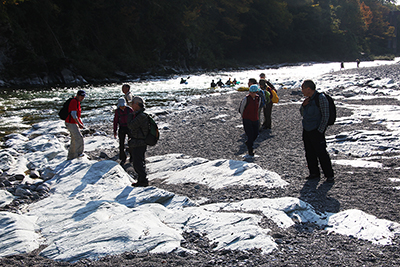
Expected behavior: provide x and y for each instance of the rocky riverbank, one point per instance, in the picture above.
(201, 131)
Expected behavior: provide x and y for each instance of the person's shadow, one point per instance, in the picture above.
(317, 196)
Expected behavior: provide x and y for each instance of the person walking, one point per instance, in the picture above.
(73, 123)
(121, 121)
(267, 87)
(249, 111)
(315, 121)
(128, 95)
(138, 124)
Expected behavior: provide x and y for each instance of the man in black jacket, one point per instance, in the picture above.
(138, 124)
(315, 121)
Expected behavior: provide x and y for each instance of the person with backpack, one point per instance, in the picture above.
(121, 121)
(138, 124)
(315, 121)
(248, 109)
(73, 123)
(263, 101)
(267, 87)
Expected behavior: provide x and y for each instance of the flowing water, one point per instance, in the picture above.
(20, 108)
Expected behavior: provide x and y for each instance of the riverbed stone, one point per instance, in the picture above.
(34, 174)
(6, 161)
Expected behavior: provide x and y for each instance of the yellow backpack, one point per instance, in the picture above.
(275, 98)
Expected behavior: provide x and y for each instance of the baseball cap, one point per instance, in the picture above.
(121, 102)
(81, 93)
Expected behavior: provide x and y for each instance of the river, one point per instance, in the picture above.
(20, 108)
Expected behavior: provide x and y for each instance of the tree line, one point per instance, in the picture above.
(98, 38)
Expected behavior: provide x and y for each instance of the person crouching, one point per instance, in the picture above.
(138, 124)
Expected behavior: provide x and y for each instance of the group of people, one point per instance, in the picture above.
(315, 121)
(259, 99)
(229, 82)
(129, 121)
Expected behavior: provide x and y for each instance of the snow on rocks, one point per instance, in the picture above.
(364, 226)
(88, 209)
(364, 143)
(215, 174)
(19, 234)
(5, 198)
(285, 212)
(358, 163)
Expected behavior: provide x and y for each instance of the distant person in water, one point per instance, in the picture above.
(341, 65)
(121, 124)
(183, 81)
(213, 84)
(249, 111)
(228, 82)
(220, 83)
(128, 95)
(358, 62)
(73, 123)
(234, 81)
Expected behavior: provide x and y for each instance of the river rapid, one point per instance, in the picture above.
(20, 108)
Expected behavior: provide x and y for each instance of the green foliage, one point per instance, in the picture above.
(97, 38)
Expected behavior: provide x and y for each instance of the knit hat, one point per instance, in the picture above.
(254, 88)
(121, 102)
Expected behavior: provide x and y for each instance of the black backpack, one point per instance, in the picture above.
(63, 114)
(332, 107)
(153, 135)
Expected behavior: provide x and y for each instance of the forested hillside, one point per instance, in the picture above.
(103, 38)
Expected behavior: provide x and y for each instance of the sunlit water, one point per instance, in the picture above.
(19, 109)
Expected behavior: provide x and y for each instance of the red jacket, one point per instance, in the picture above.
(250, 111)
(74, 105)
(121, 118)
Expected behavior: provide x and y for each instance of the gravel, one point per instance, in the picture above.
(198, 132)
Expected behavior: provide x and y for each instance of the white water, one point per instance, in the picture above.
(20, 108)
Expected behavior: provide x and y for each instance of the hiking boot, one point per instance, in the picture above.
(142, 184)
(330, 180)
(251, 152)
(312, 176)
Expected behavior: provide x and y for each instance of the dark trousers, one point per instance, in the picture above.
(122, 134)
(251, 130)
(139, 162)
(315, 148)
(267, 115)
